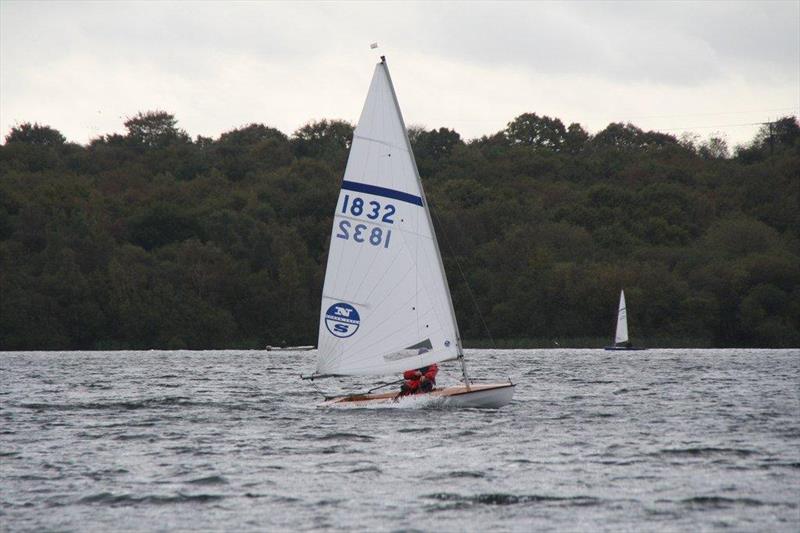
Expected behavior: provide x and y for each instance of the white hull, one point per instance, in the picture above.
(288, 348)
(623, 348)
(489, 396)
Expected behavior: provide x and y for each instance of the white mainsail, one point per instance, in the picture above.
(386, 305)
(622, 321)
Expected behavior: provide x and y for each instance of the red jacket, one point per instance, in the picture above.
(413, 377)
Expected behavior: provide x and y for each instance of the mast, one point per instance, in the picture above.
(459, 348)
(385, 307)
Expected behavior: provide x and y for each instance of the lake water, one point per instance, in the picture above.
(231, 440)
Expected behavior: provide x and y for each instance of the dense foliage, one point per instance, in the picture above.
(154, 240)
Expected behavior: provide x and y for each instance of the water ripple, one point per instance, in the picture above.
(676, 440)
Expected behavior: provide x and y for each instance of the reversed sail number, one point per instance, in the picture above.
(376, 237)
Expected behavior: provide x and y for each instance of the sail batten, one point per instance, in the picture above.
(386, 305)
(378, 141)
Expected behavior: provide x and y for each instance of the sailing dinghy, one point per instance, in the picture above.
(386, 305)
(621, 341)
(288, 348)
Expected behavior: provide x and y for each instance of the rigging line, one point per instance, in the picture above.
(463, 276)
(384, 143)
(313, 384)
(385, 385)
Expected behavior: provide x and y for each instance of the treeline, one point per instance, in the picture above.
(153, 239)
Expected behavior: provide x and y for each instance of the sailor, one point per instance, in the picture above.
(419, 380)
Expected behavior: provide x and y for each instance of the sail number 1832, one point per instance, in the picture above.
(375, 235)
(372, 210)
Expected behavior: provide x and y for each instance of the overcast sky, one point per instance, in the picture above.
(705, 67)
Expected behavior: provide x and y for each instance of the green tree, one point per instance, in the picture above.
(325, 139)
(161, 224)
(530, 129)
(715, 148)
(784, 132)
(576, 139)
(434, 144)
(251, 148)
(35, 134)
(627, 137)
(154, 129)
(149, 240)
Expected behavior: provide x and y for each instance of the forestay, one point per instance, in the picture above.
(386, 305)
(622, 321)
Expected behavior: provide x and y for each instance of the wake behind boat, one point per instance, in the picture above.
(386, 306)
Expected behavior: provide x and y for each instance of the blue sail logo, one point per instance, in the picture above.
(342, 320)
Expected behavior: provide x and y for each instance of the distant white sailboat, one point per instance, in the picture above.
(306, 348)
(386, 305)
(621, 341)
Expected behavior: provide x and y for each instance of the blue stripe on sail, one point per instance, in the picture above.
(382, 191)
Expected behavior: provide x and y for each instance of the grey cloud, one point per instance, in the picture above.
(673, 43)
(670, 53)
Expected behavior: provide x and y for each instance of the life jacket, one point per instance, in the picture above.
(412, 382)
